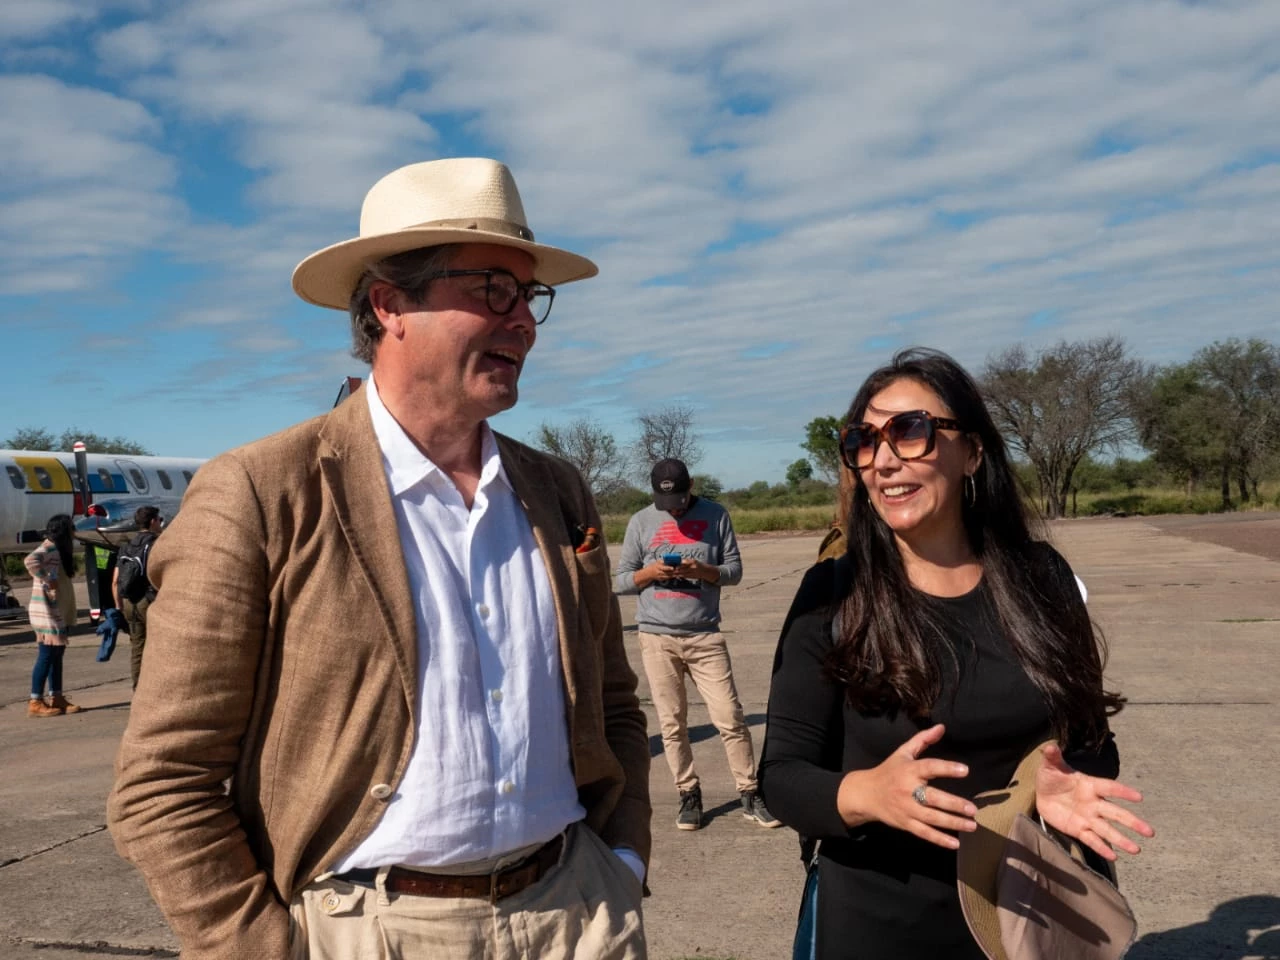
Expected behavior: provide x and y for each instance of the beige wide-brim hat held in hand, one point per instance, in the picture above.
(1023, 895)
(459, 200)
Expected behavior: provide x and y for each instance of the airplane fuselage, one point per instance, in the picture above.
(37, 484)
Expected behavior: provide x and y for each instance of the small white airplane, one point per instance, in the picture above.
(37, 484)
(101, 491)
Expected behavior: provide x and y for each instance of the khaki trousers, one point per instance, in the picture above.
(705, 658)
(136, 616)
(586, 908)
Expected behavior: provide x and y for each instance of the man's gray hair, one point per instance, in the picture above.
(409, 271)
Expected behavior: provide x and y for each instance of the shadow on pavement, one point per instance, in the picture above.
(723, 810)
(26, 635)
(703, 731)
(1230, 933)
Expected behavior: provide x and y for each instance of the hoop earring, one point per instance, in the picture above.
(970, 490)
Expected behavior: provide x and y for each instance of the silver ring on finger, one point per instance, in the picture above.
(918, 794)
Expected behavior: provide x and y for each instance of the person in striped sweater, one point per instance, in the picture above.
(52, 611)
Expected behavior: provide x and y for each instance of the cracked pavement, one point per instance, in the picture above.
(1194, 631)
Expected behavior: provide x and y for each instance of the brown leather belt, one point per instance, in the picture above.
(487, 886)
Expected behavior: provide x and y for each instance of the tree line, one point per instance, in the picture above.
(1211, 422)
(37, 438)
(1214, 419)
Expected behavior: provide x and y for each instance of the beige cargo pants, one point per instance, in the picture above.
(705, 658)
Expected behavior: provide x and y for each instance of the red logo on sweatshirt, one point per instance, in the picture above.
(685, 531)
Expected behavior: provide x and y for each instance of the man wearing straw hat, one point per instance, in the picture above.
(391, 630)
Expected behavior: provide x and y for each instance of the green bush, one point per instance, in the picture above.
(13, 566)
(760, 495)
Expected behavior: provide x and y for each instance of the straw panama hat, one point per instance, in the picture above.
(1023, 895)
(459, 200)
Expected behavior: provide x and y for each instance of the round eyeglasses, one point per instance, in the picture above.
(502, 291)
(910, 436)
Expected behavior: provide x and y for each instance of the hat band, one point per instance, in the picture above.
(517, 231)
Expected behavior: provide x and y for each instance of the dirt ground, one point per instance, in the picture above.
(1191, 610)
(1257, 533)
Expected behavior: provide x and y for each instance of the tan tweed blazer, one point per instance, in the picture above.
(281, 656)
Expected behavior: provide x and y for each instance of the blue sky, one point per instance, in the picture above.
(778, 195)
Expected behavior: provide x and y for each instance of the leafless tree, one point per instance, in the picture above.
(590, 448)
(1055, 409)
(664, 433)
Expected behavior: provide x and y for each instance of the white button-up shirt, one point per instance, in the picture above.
(490, 770)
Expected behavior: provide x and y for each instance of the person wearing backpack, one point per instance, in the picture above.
(132, 589)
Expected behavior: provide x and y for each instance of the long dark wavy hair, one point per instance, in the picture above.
(890, 648)
(58, 531)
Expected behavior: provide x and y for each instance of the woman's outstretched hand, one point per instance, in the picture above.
(887, 793)
(1080, 806)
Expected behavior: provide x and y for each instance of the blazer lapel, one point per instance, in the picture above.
(535, 488)
(351, 465)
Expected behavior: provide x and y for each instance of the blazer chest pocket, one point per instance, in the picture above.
(594, 561)
(596, 588)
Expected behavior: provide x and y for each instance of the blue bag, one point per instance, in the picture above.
(805, 945)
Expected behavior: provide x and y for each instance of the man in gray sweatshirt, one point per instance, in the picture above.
(677, 555)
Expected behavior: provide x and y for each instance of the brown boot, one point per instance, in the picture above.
(59, 702)
(38, 708)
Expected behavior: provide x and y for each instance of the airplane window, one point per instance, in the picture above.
(105, 476)
(16, 478)
(164, 480)
(186, 475)
(139, 480)
(43, 478)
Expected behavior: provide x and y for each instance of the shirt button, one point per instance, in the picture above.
(380, 791)
(483, 610)
(496, 695)
(508, 787)
(330, 902)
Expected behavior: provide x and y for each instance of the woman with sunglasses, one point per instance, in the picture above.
(917, 670)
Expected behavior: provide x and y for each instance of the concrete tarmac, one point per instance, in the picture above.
(1194, 632)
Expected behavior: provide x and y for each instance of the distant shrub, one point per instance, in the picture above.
(769, 520)
(615, 527)
(760, 495)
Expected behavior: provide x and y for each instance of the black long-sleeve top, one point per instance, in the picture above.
(884, 893)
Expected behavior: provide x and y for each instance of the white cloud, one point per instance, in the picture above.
(32, 18)
(89, 185)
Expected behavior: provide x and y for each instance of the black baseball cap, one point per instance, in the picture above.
(671, 484)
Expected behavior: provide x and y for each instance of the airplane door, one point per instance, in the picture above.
(133, 473)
